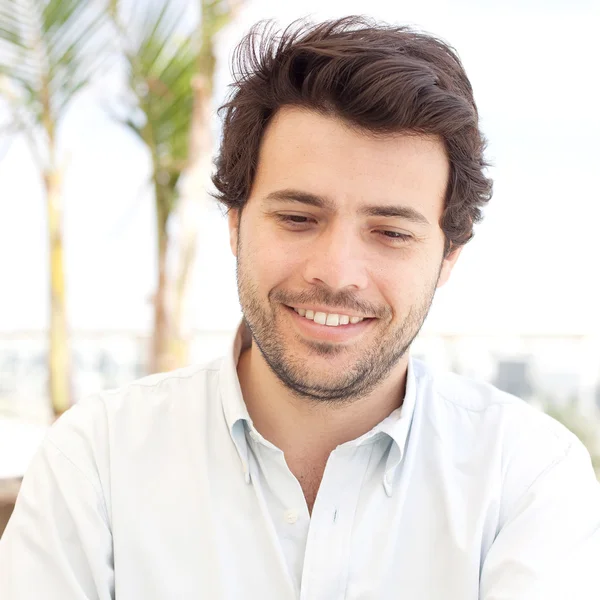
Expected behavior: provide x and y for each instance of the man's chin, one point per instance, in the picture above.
(323, 354)
(318, 389)
(317, 372)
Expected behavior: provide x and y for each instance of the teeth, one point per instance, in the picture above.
(332, 320)
(320, 318)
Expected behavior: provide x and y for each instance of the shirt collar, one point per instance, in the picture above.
(396, 425)
(234, 407)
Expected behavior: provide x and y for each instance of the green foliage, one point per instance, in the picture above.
(215, 14)
(161, 60)
(49, 50)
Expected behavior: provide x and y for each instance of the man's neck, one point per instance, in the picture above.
(301, 427)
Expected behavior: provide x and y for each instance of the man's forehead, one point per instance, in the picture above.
(314, 159)
(310, 139)
(300, 118)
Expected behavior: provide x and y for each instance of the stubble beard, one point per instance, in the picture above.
(357, 379)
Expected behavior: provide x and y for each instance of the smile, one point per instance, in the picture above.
(329, 319)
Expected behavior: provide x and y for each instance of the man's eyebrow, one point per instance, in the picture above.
(290, 195)
(369, 210)
(402, 212)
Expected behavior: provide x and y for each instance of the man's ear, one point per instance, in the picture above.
(233, 217)
(448, 264)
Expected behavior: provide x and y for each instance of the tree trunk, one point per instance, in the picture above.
(215, 14)
(58, 347)
(160, 359)
(196, 178)
(188, 214)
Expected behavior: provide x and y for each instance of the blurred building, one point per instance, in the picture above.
(555, 371)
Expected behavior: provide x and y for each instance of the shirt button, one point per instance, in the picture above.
(291, 516)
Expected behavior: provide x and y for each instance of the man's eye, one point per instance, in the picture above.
(396, 235)
(293, 219)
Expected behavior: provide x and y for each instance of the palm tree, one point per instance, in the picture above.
(49, 50)
(160, 59)
(170, 75)
(214, 16)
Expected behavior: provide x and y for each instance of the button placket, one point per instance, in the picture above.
(328, 544)
(291, 516)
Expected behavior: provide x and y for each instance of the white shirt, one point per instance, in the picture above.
(165, 490)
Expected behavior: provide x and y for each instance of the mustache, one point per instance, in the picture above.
(342, 300)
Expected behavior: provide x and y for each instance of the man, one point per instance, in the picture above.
(317, 460)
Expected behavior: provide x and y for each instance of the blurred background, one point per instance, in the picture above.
(114, 260)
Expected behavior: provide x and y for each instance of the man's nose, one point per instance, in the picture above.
(337, 260)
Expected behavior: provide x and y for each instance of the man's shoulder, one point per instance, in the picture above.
(162, 401)
(172, 390)
(464, 392)
(171, 386)
(473, 404)
(479, 428)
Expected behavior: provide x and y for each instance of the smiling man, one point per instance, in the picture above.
(318, 460)
(339, 253)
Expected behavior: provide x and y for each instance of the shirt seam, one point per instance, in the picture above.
(549, 467)
(161, 381)
(87, 478)
(476, 410)
(546, 426)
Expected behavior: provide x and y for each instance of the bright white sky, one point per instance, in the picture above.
(533, 266)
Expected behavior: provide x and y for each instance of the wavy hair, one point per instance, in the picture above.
(380, 78)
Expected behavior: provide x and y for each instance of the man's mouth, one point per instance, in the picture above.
(330, 319)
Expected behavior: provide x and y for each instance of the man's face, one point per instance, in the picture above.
(342, 223)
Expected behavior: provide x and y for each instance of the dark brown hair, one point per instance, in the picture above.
(380, 78)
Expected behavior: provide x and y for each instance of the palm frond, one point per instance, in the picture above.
(154, 39)
(162, 61)
(135, 128)
(64, 49)
(57, 14)
(14, 19)
(8, 34)
(52, 46)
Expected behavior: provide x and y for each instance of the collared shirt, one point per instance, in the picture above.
(164, 489)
